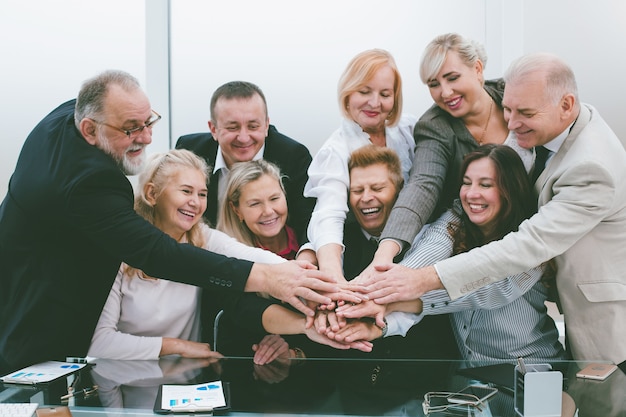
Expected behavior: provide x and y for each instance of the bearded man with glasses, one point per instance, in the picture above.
(67, 222)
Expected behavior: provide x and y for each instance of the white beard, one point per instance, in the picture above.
(130, 166)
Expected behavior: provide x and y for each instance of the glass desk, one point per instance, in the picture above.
(330, 387)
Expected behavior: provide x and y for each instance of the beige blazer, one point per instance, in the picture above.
(582, 222)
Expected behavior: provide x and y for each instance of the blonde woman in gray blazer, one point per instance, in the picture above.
(466, 113)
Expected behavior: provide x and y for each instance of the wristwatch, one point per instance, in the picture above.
(384, 328)
(298, 353)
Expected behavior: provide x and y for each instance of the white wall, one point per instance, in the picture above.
(295, 51)
(48, 48)
(591, 37)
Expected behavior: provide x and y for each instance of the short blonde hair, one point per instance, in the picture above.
(360, 70)
(436, 51)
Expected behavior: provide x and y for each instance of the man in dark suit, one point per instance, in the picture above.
(240, 131)
(375, 182)
(67, 222)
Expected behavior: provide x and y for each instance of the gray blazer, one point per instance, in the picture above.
(582, 222)
(441, 142)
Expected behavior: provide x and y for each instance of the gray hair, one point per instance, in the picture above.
(90, 101)
(436, 51)
(559, 77)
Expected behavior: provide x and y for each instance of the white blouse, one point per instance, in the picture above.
(139, 312)
(329, 179)
(527, 155)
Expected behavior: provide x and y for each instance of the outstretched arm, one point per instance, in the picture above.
(418, 198)
(328, 183)
(294, 281)
(404, 282)
(494, 295)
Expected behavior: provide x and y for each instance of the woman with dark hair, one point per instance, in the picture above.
(504, 320)
(517, 199)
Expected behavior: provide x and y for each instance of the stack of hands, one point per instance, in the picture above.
(338, 313)
(356, 313)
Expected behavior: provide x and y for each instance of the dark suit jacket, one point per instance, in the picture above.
(358, 252)
(430, 338)
(66, 224)
(290, 156)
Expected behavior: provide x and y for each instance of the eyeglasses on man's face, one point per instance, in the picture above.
(135, 131)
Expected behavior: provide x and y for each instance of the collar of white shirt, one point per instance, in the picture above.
(555, 144)
(220, 163)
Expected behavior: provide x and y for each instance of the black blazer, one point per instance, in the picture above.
(66, 224)
(359, 251)
(293, 159)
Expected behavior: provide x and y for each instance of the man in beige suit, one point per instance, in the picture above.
(581, 220)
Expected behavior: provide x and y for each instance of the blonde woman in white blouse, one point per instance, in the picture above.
(370, 100)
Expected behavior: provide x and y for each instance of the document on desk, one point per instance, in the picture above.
(42, 372)
(199, 398)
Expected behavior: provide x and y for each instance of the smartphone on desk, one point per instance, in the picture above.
(61, 411)
(473, 395)
(597, 371)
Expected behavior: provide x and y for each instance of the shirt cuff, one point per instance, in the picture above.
(399, 323)
(306, 246)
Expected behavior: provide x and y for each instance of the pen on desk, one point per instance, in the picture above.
(73, 359)
(85, 391)
(522, 366)
(192, 408)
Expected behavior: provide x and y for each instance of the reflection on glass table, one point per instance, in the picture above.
(332, 387)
